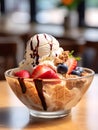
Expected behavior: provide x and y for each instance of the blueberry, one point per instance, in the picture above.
(79, 69)
(76, 72)
(62, 68)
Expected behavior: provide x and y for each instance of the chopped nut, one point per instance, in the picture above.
(57, 61)
(74, 83)
(61, 58)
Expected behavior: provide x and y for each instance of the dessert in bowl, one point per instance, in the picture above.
(48, 81)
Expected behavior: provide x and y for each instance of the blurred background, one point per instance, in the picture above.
(73, 22)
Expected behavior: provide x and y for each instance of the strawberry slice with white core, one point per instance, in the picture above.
(72, 64)
(44, 72)
(22, 74)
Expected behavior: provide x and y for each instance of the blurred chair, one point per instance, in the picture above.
(11, 52)
(91, 55)
(91, 49)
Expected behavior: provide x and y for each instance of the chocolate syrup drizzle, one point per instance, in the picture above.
(35, 54)
(22, 84)
(39, 88)
(50, 43)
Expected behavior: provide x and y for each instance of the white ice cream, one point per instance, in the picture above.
(39, 47)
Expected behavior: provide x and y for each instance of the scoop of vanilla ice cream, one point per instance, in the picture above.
(39, 46)
(44, 43)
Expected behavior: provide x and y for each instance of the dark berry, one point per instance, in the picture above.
(79, 69)
(62, 68)
(76, 72)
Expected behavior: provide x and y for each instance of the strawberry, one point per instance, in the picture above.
(72, 64)
(44, 72)
(49, 75)
(22, 74)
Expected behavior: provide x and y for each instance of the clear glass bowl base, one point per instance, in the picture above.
(49, 115)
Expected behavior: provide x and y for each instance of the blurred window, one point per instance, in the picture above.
(18, 10)
(48, 12)
(91, 13)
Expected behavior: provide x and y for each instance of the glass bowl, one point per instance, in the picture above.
(49, 98)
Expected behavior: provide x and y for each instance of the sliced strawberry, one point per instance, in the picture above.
(22, 74)
(44, 72)
(72, 64)
(49, 75)
(40, 69)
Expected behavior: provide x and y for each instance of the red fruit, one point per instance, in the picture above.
(49, 75)
(44, 72)
(72, 64)
(22, 74)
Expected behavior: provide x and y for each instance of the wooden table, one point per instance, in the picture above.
(15, 116)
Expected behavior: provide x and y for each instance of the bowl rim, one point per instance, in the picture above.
(91, 73)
